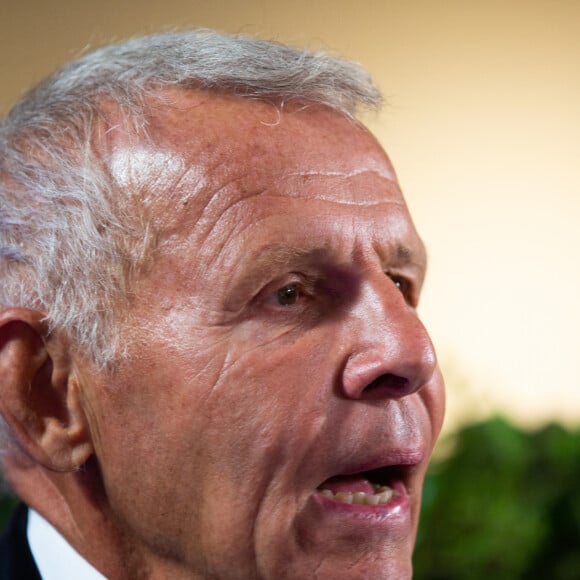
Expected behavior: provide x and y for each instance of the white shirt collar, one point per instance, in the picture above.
(55, 558)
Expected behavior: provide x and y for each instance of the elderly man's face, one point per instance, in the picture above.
(273, 350)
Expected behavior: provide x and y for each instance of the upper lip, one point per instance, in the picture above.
(396, 441)
(394, 457)
(387, 465)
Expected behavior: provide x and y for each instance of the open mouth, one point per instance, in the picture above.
(372, 488)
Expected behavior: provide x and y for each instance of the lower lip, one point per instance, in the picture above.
(395, 512)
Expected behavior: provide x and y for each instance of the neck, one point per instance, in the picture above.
(76, 504)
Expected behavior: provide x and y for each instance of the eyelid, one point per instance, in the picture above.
(305, 284)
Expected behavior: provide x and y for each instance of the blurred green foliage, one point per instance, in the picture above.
(505, 504)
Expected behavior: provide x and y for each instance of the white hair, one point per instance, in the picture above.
(66, 247)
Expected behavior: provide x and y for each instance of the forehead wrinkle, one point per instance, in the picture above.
(204, 226)
(192, 182)
(231, 203)
(190, 220)
(291, 252)
(357, 203)
(385, 174)
(349, 192)
(244, 193)
(239, 227)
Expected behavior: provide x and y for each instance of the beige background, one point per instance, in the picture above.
(483, 124)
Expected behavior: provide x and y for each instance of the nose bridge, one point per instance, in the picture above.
(391, 352)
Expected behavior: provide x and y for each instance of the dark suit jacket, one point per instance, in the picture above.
(16, 561)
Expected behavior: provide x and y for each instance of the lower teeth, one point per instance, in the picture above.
(381, 495)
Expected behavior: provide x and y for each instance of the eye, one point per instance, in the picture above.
(404, 285)
(288, 295)
(293, 291)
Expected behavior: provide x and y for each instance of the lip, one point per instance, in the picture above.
(403, 457)
(349, 532)
(352, 526)
(399, 464)
(392, 517)
(397, 456)
(397, 507)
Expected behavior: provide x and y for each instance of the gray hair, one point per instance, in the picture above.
(66, 247)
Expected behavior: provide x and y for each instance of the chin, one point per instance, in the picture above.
(381, 570)
(354, 565)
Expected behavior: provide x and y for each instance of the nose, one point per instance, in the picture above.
(391, 354)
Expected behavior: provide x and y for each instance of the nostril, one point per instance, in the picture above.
(393, 383)
(372, 374)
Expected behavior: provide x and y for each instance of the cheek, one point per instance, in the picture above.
(261, 419)
(215, 432)
(272, 398)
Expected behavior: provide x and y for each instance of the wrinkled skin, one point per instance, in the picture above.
(284, 287)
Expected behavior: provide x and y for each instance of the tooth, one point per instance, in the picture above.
(372, 499)
(382, 494)
(385, 496)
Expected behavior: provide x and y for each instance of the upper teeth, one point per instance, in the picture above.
(381, 494)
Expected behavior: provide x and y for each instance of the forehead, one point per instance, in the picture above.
(202, 138)
(222, 130)
(210, 155)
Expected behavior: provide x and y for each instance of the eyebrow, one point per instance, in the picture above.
(405, 256)
(281, 255)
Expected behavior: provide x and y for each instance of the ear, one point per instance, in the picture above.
(39, 394)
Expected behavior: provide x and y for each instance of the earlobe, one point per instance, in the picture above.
(39, 393)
